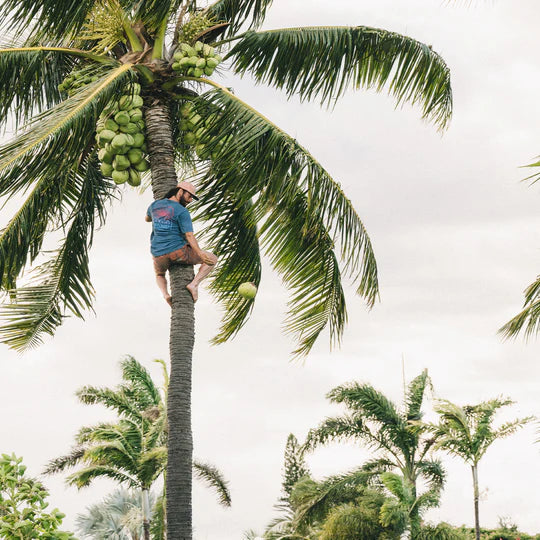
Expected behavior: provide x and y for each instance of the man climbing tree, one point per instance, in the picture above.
(172, 238)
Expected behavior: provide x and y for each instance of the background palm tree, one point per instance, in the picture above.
(261, 189)
(398, 442)
(467, 432)
(132, 450)
(117, 517)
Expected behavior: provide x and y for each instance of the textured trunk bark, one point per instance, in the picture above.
(146, 514)
(474, 469)
(182, 336)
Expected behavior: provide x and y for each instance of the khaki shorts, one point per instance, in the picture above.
(184, 255)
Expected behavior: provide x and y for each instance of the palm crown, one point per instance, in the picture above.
(262, 191)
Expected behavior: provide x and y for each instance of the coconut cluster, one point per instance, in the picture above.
(195, 61)
(194, 129)
(196, 25)
(120, 137)
(75, 80)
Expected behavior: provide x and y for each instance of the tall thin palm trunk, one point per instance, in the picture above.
(474, 469)
(145, 504)
(182, 337)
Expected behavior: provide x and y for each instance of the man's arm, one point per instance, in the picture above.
(147, 218)
(192, 241)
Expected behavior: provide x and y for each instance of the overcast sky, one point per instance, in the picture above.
(456, 235)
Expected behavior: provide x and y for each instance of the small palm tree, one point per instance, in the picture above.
(397, 440)
(118, 516)
(467, 432)
(132, 450)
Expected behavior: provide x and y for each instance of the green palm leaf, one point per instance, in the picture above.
(325, 61)
(529, 318)
(233, 232)
(140, 388)
(84, 477)
(30, 77)
(239, 12)
(52, 144)
(306, 215)
(64, 281)
(214, 479)
(53, 18)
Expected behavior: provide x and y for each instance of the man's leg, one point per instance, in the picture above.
(204, 270)
(161, 280)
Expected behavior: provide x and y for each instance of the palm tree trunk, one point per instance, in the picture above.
(146, 514)
(474, 469)
(182, 336)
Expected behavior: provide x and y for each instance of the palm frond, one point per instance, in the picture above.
(62, 463)
(140, 387)
(306, 215)
(433, 472)
(53, 142)
(333, 429)
(63, 283)
(233, 233)
(112, 399)
(324, 61)
(313, 500)
(84, 477)
(47, 18)
(529, 318)
(415, 395)
(30, 77)
(239, 12)
(214, 479)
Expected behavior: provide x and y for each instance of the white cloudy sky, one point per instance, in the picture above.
(457, 239)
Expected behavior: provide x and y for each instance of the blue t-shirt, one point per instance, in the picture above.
(170, 222)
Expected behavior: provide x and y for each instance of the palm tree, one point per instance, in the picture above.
(132, 450)
(261, 189)
(528, 319)
(396, 438)
(467, 432)
(118, 516)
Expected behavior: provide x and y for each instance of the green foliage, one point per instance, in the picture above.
(119, 515)
(399, 441)
(467, 432)
(349, 522)
(262, 191)
(294, 467)
(309, 62)
(442, 531)
(23, 505)
(529, 318)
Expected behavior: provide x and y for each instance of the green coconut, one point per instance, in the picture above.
(198, 72)
(107, 135)
(208, 71)
(119, 141)
(189, 137)
(122, 118)
(105, 157)
(211, 62)
(135, 156)
(130, 128)
(120, 177)
(134, 177)
(138, 140)
(106, 169)
(142, 166)
(111, 124)
(176, 66)
(120, 163)
(201, 63)
(247, 290)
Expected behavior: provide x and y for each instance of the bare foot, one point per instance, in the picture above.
(168, 299)
(193, 289)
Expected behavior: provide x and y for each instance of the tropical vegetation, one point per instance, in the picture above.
(467, 432)
(133, 449)
(88, 82)
(23, 505)
(401, 447)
